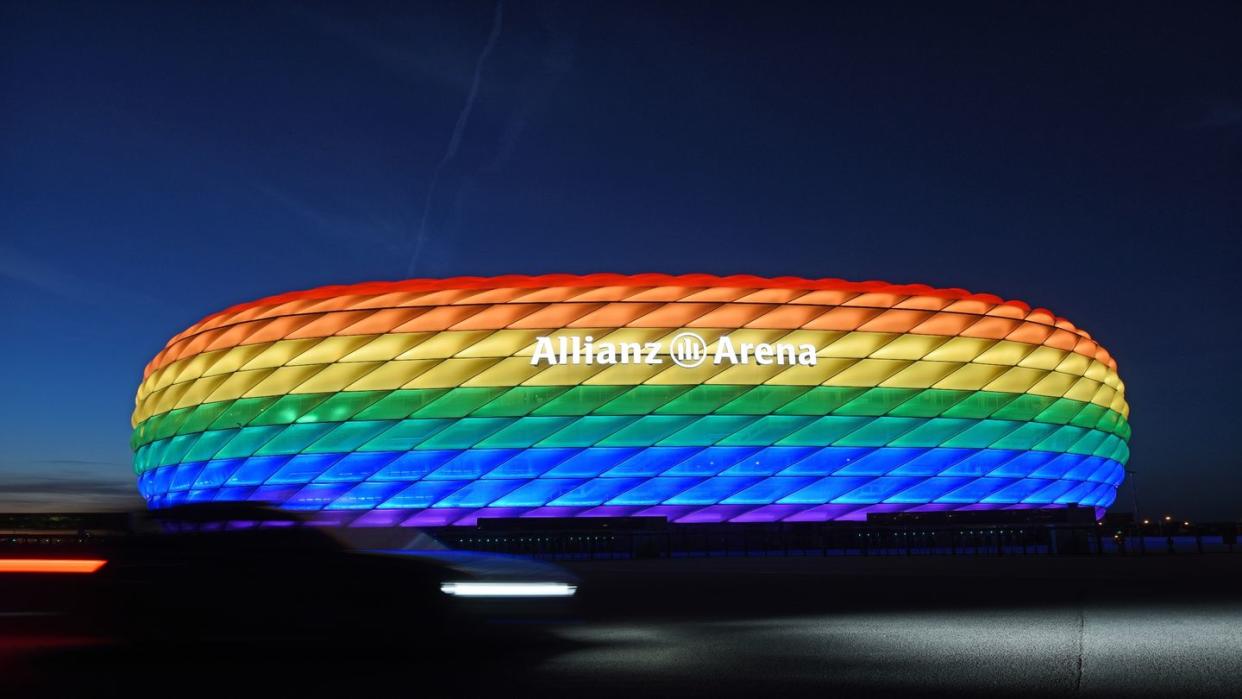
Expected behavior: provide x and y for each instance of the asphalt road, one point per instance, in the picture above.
(770, 628)
(801, 627)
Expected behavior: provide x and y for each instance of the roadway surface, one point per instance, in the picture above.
(774, 627)
(1095, 627)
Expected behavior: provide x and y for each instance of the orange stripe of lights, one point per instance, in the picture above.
(287, 313)
(50, 565)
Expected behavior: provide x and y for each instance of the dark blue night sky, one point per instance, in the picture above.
(160, 161)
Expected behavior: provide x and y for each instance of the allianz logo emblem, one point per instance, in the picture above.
(686, 349)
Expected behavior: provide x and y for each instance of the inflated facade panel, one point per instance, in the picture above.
(701, 398)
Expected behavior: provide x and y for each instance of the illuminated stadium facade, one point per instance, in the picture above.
(699, 398)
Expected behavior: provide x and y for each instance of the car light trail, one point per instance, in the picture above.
(50, 565)
(508, 589)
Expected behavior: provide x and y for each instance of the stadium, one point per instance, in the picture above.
(435, 402)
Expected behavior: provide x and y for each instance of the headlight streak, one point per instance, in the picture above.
(508, 589)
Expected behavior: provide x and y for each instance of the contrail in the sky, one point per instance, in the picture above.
(455, 140)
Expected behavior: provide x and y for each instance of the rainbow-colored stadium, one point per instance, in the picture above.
(428, 402)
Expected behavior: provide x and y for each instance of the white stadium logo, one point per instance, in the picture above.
(687, 350)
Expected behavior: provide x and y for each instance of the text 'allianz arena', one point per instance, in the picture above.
(699, 398)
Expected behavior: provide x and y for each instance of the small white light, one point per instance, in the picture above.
(508, 589)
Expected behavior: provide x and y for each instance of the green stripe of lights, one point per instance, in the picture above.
(572, 401)
(628, 431)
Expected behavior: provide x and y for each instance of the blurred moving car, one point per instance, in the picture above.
(229, 572)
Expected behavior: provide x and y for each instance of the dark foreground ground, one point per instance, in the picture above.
(754, 627)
